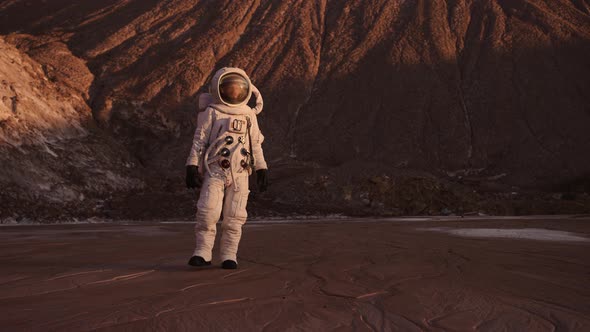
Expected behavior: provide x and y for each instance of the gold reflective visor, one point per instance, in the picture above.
(233, 88)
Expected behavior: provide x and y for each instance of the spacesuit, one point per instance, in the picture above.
(227, 147)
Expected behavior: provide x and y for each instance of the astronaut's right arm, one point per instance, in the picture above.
(201, 137)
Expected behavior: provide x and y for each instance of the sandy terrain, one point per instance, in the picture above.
(407, 274)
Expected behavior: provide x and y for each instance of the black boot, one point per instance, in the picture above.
(198, 261)
(229, 264)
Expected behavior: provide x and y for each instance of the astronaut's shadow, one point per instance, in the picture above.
(168, 267)
(171, 266)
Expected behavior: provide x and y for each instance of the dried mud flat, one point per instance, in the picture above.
(410, 274)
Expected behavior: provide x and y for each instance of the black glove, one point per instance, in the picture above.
(261, 179)
(192, 177)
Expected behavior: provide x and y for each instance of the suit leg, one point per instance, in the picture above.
(208, 212)
(234, 216)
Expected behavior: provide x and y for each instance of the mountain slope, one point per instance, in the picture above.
(493, 89)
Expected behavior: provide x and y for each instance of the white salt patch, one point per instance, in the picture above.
(512, 233)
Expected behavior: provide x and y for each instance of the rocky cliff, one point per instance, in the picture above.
(398, 106)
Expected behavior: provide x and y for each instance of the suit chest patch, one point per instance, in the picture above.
(237, 124)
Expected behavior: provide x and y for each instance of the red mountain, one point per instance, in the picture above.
(365, 101)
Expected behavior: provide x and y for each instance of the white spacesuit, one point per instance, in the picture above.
(227, 145)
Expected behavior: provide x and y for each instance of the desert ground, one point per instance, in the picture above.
(408, 274)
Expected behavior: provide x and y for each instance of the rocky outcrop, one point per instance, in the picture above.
(52, 155)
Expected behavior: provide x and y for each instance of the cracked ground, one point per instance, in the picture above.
(321, 275)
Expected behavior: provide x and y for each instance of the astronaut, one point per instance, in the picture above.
(227, 147)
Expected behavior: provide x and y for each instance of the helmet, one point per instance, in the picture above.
(231, 86)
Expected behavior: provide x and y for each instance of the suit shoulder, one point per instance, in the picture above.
(208, 111)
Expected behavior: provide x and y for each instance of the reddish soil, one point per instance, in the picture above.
(373, 275)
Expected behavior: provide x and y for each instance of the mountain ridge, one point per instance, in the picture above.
(487, 89)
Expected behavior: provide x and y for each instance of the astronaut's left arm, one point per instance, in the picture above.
(257, 139)
(259, 102)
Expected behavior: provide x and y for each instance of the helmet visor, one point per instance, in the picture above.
(233, 88)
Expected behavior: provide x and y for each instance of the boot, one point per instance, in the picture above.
(229, 264)
(198, 261)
